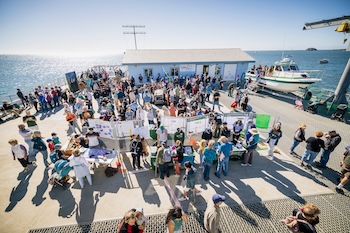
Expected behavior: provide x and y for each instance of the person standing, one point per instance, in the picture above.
(80, 167)
(163, 165)
(39, 146)
(136, 151)
(174, 220)
(244, 102)
(162, 135)
(21, 97)
(274, 135)
(299, 136)
(179, 135)
(237, 129)
(345, 171)
(27, 136)
(71, 118)
(331, 142)
(252, 145)
(93, 138)
(208, 157)
(216, 97)
(30, 120)
(20, 152)
(190, 178)
(313, 147)
(212, 213)
(223, 157)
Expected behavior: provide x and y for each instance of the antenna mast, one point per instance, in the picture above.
(134, 32)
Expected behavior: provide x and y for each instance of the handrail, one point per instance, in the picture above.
(51, 83)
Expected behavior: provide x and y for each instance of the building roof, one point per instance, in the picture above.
(161, 56)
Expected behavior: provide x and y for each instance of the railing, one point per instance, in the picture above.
(13, 98)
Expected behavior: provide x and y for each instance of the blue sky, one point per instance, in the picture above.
(95, 26)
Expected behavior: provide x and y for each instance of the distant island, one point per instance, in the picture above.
(311, 49)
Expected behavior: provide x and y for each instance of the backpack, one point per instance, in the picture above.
(166, 156)
(292, 222)
(110, 171)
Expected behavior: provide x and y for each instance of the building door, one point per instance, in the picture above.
(205, 69)
(199, 69)
(211, 71)
(230, 71)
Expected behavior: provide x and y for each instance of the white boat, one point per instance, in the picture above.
(284, 76)
(324, 61)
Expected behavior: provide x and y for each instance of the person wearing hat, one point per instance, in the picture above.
(27, 136)
(55, 138)
(179, 135)
(50, 144)
(225, 131)
(251, 125)
(71, 118)
(313, 147)
(274, 135)
(93, 137)
(237, 129)
(212, 213)
(252, 144)
(331, 142)
(39, 146)
(299, 136)
(162, 135)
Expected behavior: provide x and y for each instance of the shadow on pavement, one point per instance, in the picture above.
(41, 189)
(20, 191)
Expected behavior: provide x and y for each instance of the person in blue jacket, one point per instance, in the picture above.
(208, 157)
(223, 156)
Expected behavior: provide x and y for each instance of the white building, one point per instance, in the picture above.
(152, 63)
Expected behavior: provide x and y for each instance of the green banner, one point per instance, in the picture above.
(262, 121)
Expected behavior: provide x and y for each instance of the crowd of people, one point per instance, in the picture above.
(120, 99)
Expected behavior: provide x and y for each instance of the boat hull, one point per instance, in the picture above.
(283, 84)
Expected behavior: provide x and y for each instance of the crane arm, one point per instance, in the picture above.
(327, 23)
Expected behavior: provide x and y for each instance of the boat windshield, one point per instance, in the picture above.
(290, 68)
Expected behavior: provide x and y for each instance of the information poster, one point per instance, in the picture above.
(142, 131)
(104, 128)
(197, 124)
(172, 123)
(262, 121)
(124, 128)
(231, 118)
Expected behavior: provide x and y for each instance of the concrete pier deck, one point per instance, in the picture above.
(257, 197)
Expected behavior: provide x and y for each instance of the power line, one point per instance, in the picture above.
(134, 32)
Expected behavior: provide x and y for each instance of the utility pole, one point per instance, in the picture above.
(134, 32)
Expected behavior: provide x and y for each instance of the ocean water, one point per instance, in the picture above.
(310, 60)
(27, 71)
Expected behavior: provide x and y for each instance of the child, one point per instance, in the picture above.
(191, 179)
(55, 139)
(20, 152)
(50, 144)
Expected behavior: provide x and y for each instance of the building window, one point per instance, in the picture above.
(217, 70)
(174, 71)
(148, 72)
